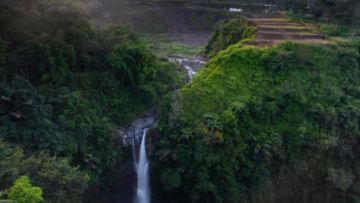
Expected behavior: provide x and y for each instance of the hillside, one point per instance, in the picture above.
(279, 29)
(174, 101)
(275, 121)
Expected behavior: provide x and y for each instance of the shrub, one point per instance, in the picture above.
(227, 33)
(23, 192)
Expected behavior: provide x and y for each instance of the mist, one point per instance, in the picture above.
(177, 101)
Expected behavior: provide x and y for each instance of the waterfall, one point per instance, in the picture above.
(142, 169)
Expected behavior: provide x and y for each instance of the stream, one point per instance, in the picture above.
(191, 65)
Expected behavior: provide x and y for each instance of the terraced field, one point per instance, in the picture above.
(277, 29)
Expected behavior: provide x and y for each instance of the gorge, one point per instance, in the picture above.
(179, 101)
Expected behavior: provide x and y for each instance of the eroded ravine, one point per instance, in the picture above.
(134, 136)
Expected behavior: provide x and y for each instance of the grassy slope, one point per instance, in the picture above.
(265, 103)
(239, 74)
(164, 47)
(292, 79)
(228, 33)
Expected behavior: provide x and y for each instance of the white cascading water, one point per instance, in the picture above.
(142, 169)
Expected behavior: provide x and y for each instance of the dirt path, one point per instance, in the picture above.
(278, 29)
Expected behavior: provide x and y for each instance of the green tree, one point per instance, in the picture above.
(67, 87)
(133, 63)
(59, 180)
(63, 182)
(3, 50)
(23, 192)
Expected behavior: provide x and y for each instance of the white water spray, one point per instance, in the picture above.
(142, 169)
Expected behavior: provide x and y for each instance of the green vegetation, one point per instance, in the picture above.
(58, 179)
(339, 20)
(64, 88)
(251, 123)
(164, 47)
(339, 30)
(23, 192)
(228, 33)
(342, 32)
(338, 12)
(252, 114)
